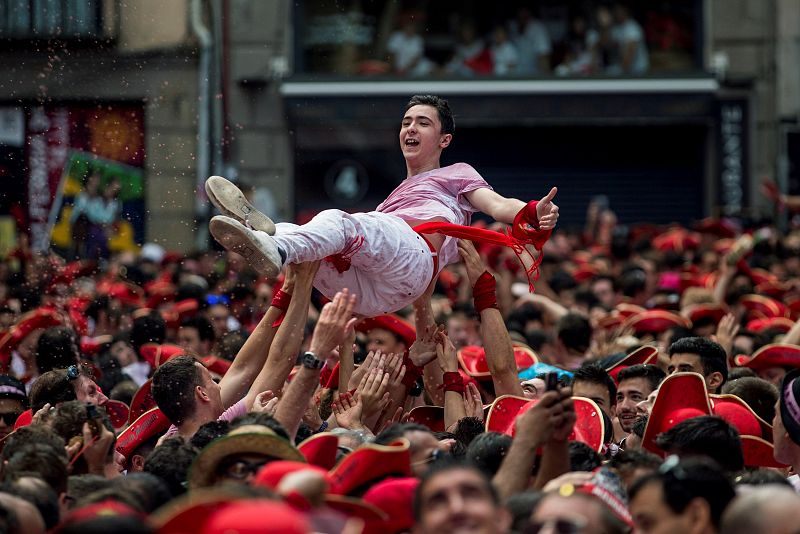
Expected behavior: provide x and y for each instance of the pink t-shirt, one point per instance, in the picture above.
(437, 194)
(237, 409)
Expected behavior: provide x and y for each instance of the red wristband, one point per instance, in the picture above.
(281, 301)
(484, 293)
(453, 381)
(412, 372)
(526, 226)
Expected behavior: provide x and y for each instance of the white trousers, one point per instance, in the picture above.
(391, 265)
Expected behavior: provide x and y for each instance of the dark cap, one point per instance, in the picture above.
(790, 404)
(11, 388)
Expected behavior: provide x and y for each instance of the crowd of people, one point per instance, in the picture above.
(648, 384)
(608, 41)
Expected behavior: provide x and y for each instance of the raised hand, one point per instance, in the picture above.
(726, 332)
(423, 350)
(334, 324)
(266, 402)
(374, 359)
(473, 403)
(547, 211)
(446, 353)
(348, 409)
(373, 393)
(472, 260)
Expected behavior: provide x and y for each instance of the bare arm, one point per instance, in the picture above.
(454, 409)
(506, 209)
(283, 351)
(251, 357)
(555, 454)
(496, 341)
(334, 324)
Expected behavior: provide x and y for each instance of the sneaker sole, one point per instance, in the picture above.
(261, 254)
(231, 201)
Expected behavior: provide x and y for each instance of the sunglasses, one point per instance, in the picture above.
(562, 525)
(73, 373)
(9, 418)
(241, 469)
(435, 455)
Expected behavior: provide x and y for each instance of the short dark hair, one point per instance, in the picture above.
(707, 435)
(173, 387)
(689, 480)
(208, 432)
(150, 328)
(712, 355)
(397, 431)
(57, 348)
(467, 429)
(32, 488)
(54, 387)
(487, 451)
(652, 373)
(759, 394)
(762, 477)
(631, 459)
(444, 465)
(149, 491)
(205, 330)
(595, 374)
(574, 331)
(582, 457)
(170, 462)
(259, 418)
(441, 106)
(41, 460)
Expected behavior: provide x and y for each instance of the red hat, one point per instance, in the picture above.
(759, 452)
(430, 416)
(589, 427)
(706, 311)
(142, 401)
(773, 355)
(737, 412)
(127, 293)
(794, 307)
(760, 307)
(642, 355)
(101, 509)
(395, 496)
(156, 355)
(118, 412)
(782, 324)
(76, 269)
(773, 288)
(149, 424)
(655, 322)
(676, 240)
(320, 449)
(473, 360)
(159, 292)
(584, 273)
(724, 228)
(256, 516)
(90, 346)
(393, 324)
(611, 321)
(27, 324)
(271, 474)
(188, 514)
(216, 365)
(681, 396)
(626, 309)
(369, 463)
(175, 314)
(24, 419)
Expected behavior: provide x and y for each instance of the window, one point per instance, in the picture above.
(50, 19)
(473, 39)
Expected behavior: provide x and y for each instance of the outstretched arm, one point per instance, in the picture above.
(506, 209)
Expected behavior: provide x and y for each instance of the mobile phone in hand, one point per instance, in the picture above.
(91, 417)
(551, 382)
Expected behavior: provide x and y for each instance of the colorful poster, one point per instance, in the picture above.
(92, 155)
(96, 205)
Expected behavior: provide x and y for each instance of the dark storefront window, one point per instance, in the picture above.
(50, 19)
(469, 38)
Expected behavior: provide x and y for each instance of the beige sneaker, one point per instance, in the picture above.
(259, 249)
(230, 200)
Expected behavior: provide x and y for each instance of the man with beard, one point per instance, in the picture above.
(635, 384)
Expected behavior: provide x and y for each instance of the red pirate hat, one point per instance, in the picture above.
(585, 273)
(611, 321)
(369, 463)
(759, 452)
(589, 427)
(430, 416)
(773, 355)
(216, 512)
(76, 269)
(774, 289)
(189, 514)
(127, 293)
(781, 324)
(762, 277)
(320, 450)
(705, 312)
(27, 324)
(760, 307)
(655, 322)
(473, 360)
(626, 309)
(393, 324)
(738, 413)
(271, 474)
(676, 240)
(216, 365)
(156, 355)
(175, 314)
(106, 508)
(118, 412)
(91, 346)
(159, 292)
(642, 355)
(395, 496)
(724, 228)
(24, 419)
(681, 396)
(794, 307)
(142, 401)
(151, 423)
